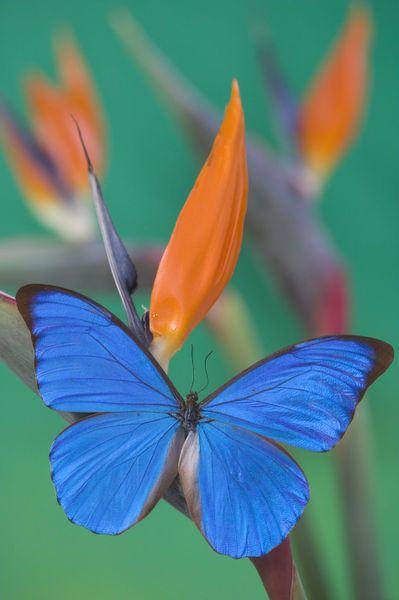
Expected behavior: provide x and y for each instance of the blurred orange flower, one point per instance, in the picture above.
(204, 247)
(333, 105)
(48, 162)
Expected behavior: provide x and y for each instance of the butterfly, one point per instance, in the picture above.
(243, 490)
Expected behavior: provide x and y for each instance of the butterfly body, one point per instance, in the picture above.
(243, 490)
(190, 413)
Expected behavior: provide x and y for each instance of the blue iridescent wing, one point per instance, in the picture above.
(87, 360)
(304, 395)
(109, 470)
(244, 493)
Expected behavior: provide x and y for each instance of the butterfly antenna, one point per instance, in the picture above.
(206, 371)
(192, 368)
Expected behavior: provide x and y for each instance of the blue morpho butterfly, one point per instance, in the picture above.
(244, 492)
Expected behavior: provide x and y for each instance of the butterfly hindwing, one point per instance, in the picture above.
(109, 470)
(304, 395)
(87, 360)
(244, 493)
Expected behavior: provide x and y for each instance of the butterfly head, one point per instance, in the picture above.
(190, 414)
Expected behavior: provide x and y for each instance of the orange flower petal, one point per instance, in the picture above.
(55, 130)
(51, 109)
(82, 99)
(204, 247)
(332, 108)
(49, 164)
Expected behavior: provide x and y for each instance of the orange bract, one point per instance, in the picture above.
(204, 247)
(51, 109)
(82, 99)
(48, 161)
(333, 105)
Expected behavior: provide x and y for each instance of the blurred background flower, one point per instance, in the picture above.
(330, 113)
(46, 158)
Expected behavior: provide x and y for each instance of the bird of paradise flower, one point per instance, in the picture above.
(46, 158)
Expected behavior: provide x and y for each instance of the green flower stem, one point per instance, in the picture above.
(354, 462)
(279, 575)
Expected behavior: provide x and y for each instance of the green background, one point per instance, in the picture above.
(151, 170)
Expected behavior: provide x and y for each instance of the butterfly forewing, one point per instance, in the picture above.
(87, 360)
(306, 394)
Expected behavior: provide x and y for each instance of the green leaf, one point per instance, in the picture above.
(16, 349)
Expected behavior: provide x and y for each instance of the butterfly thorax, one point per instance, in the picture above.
(190, 414)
